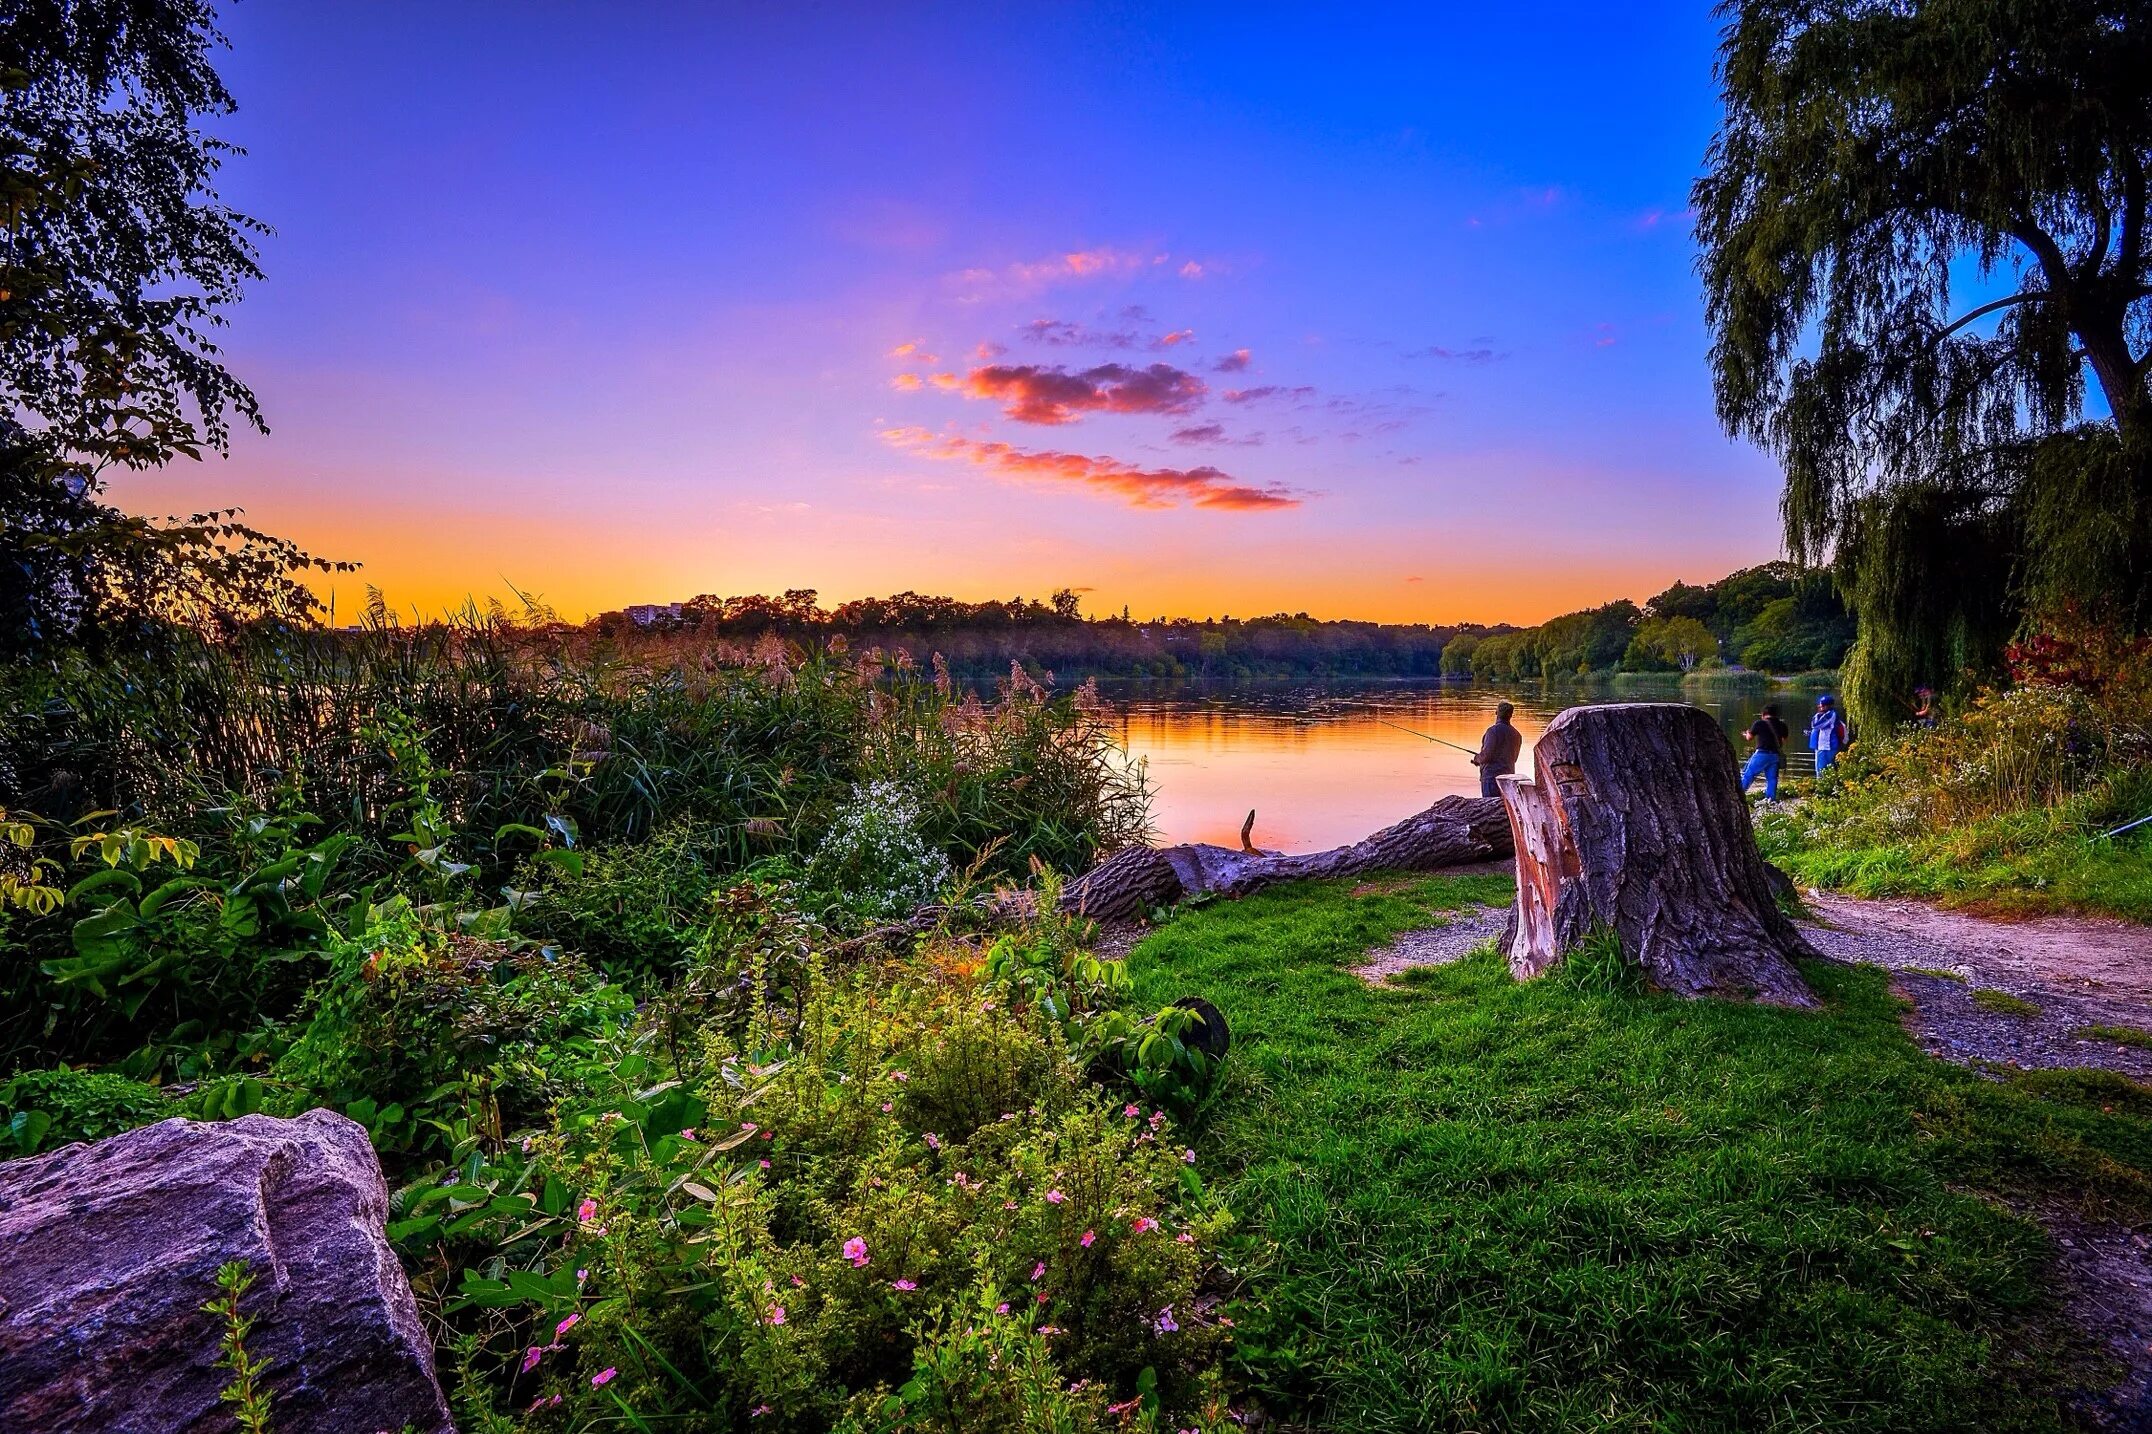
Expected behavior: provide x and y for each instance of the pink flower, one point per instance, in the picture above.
(798, 1283)
(903, 1285)
(1088, 1237)
(1165, 1323)
(586, 1212)
(1184, 1238)
(758, 1411)
(933, 1141)
(531, 1358)
(1188, 1157)
(1049, 1329)
(581, 1275)
(777, 1314)
(1158, 1118)
(887, 1107)
(1002, 1308)
(1055, 1197)
(763, 1163)
(899, 1077)
(1123, 1407)
(1144, 1225)
(855, 1250)
(688, 1133)
(603, 1377)
(1038, 1272)
(567, 1324)
(1043, 1297)
(1130, 1111)
(1008, 1204)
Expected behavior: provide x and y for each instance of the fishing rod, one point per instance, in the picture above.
(1468, 751)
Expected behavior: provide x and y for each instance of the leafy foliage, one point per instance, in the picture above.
(1874, 159)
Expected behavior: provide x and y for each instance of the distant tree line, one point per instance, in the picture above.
(1771, 617)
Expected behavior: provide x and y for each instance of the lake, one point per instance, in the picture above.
(1321, 767)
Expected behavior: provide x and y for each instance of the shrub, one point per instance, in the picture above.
(41, 1110)
(875, 862)
(867, 1188)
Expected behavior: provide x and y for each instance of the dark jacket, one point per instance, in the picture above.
(1499, 748)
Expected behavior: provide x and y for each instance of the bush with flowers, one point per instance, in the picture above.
(875, 1196)
(2004, 801)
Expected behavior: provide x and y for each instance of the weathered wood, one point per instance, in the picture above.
(1135, 881)
(1635, 824)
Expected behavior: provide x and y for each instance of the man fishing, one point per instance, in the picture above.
(1498, 750)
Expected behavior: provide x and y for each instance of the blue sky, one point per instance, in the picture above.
(607, 301)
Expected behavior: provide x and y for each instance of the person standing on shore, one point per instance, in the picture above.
(1768, 735)
(1826, 732)
(1499, 747)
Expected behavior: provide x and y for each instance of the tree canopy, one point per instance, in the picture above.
(1924, 226)
(119, 260)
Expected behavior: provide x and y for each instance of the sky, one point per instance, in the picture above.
(1359, 311)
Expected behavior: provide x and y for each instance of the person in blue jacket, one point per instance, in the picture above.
(1826, 732)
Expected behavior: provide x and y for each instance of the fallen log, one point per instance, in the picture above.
(1635, 824)
(1137, 880)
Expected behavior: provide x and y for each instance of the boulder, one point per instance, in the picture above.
(108, 1252)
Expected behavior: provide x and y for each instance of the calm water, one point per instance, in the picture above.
(1320, 768)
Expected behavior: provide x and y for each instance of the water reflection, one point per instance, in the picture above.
(1323, 768)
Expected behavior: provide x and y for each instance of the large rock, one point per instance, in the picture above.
(108, 1251)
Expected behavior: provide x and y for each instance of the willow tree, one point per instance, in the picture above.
(1929, 284)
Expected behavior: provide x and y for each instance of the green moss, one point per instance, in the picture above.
(2116, 1036)
(1468, 1202)
(2005, 1004)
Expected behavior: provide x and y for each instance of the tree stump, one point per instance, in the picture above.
(1636, 825)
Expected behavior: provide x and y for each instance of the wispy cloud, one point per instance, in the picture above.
(1139, 487)
(1050, 394)
(1266, 392)
(1061, 333)
(1448, 355)
(1234, 362)
(1174, 339)
(1074, 266)
(1207, 433)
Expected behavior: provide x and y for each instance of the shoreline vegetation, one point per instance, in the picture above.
(1770, 618)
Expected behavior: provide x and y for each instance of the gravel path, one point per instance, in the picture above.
(2075, 972)
(1433, 945)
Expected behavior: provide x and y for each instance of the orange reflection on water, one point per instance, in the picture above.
(1317, 778)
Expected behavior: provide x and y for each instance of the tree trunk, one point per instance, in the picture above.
(1137, 880)
(1636, 825)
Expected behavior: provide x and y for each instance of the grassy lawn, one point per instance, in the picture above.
(1472, 1204)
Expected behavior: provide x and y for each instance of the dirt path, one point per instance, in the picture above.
(2015, 993)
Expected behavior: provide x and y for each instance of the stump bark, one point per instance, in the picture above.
(1636, 824)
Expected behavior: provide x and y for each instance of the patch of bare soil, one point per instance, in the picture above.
(2020, 994)
(1433, 945)
(2074, 972)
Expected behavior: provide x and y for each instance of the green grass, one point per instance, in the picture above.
(2002, 1003)
(1936, 971)
(2116, 1036)
(1473, 1204)
(2065, 875)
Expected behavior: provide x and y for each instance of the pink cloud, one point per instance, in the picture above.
(1192, 270)
(1178, 336)
(1205, 487)
(1050, 394)
(1234, 362)
(905, 383)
